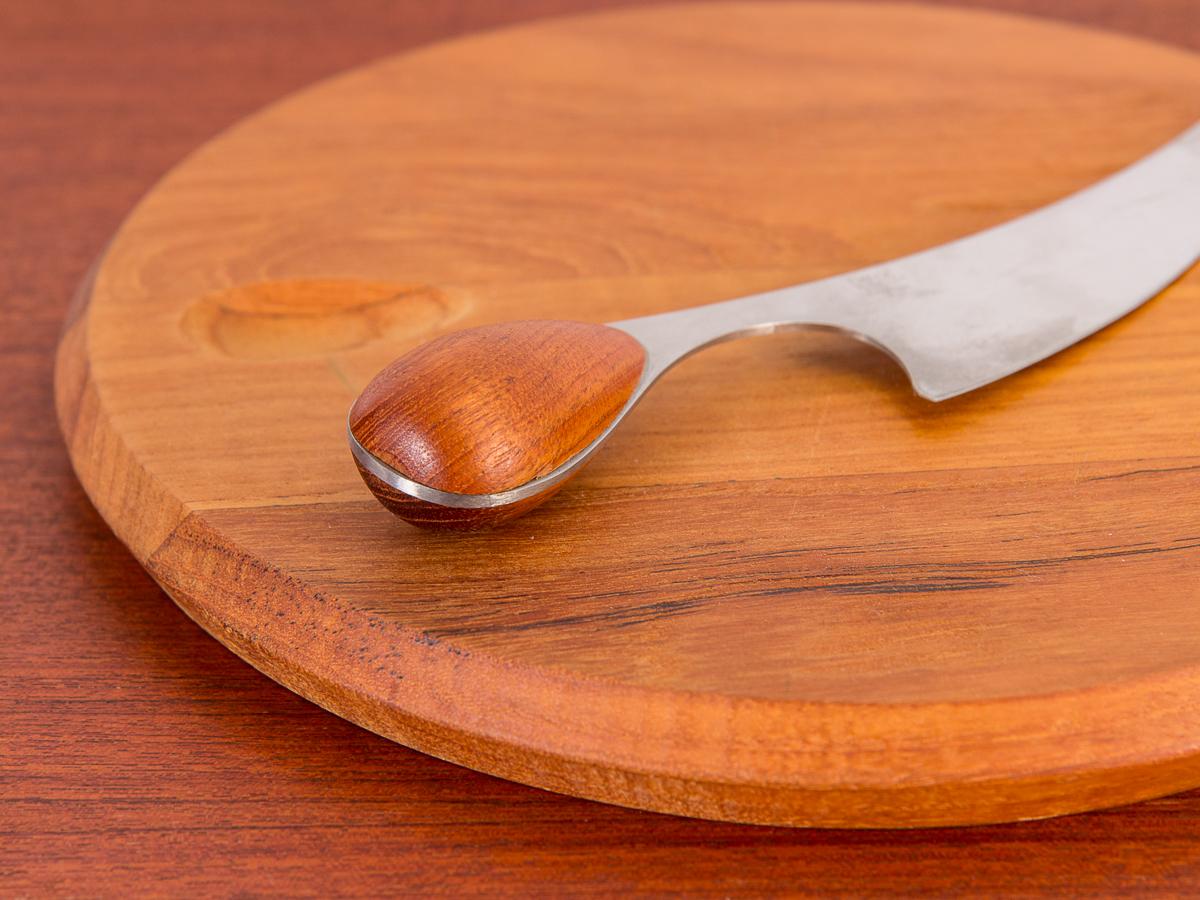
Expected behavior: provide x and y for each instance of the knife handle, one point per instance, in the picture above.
(481, 412)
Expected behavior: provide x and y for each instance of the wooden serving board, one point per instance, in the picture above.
(788, 591)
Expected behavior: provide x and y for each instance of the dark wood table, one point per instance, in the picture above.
(136, 752)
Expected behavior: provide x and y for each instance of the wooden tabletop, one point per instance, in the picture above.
(135, 750)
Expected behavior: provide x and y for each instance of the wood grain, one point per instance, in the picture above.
(140, 753)
(488, 409)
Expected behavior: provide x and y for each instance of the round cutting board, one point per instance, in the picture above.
(788, 591)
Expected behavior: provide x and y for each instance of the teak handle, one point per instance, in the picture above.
(489, 409)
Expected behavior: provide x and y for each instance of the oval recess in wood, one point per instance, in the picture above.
(489, 409)
(298, 317)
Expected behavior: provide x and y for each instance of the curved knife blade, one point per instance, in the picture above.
(978, 309)
(967, 313)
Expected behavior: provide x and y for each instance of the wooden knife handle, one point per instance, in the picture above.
(489, 409)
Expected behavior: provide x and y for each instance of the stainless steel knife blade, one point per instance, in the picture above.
(969, 312)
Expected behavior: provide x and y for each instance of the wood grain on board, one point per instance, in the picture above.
(141, 749)
(787, 592)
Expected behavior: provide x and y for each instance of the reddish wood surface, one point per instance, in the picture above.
(136, 748)
(488, 409)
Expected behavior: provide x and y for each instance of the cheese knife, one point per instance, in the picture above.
(481, 425)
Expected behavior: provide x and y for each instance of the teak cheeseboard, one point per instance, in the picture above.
(788, 591)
